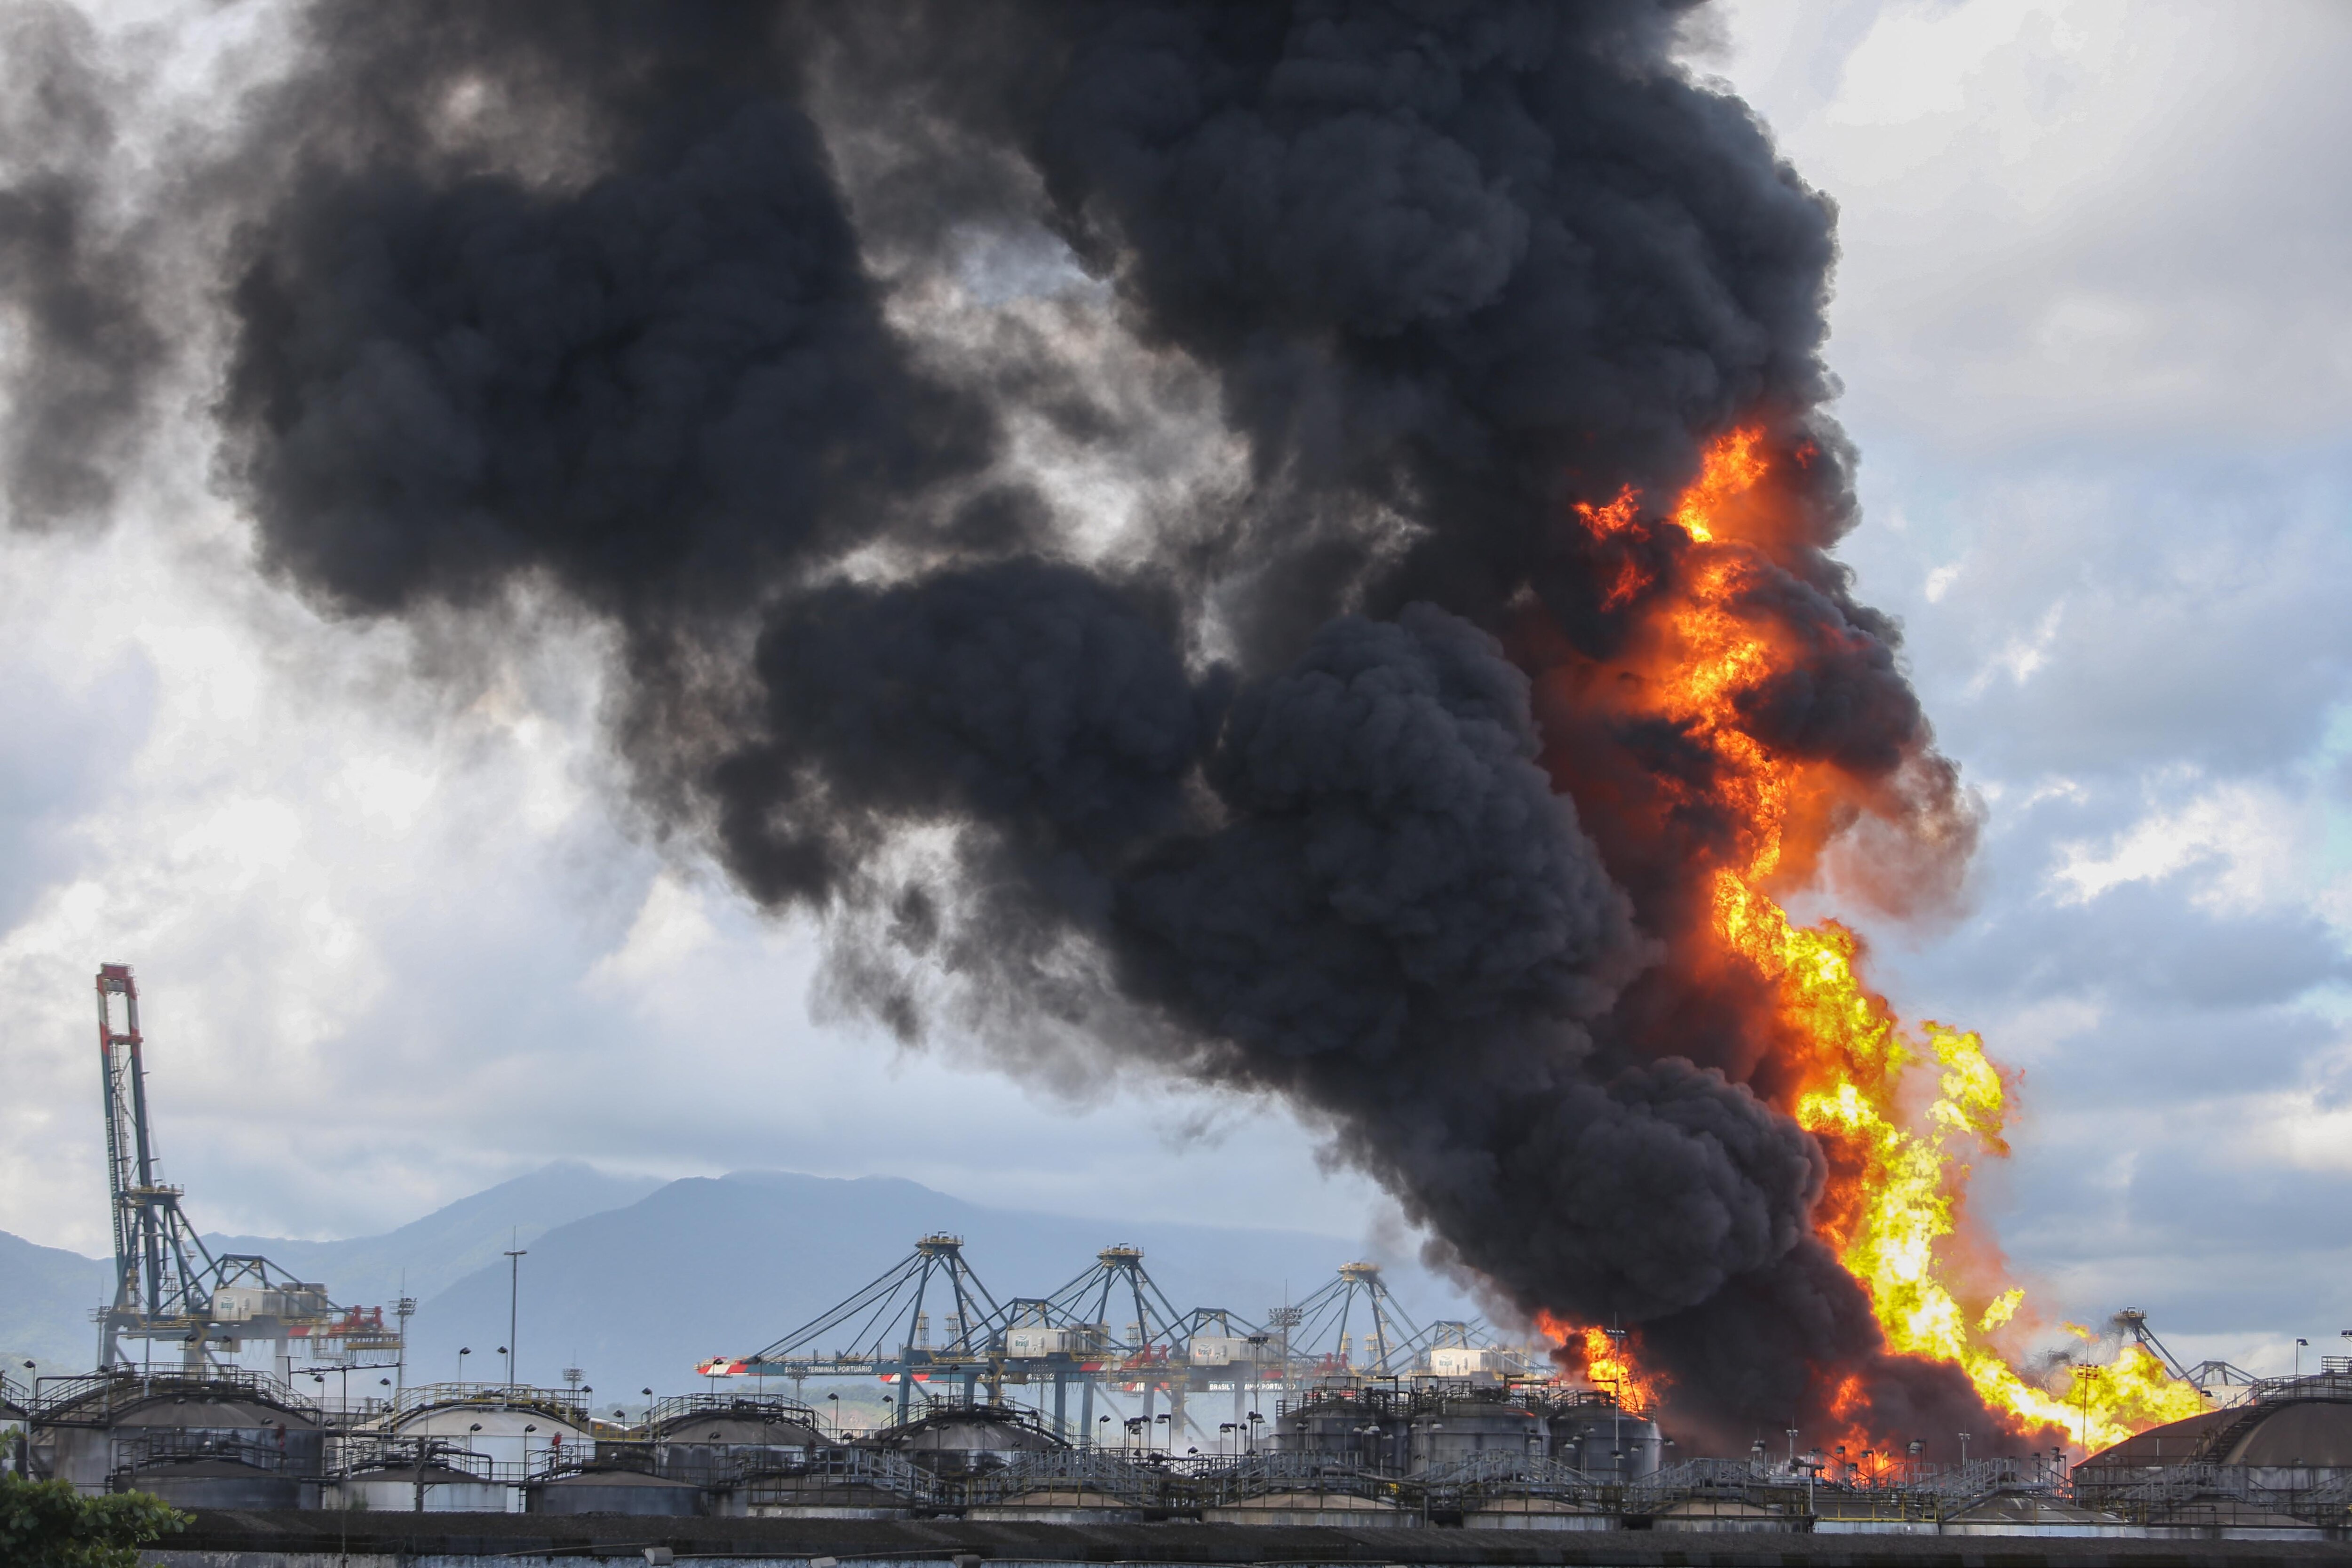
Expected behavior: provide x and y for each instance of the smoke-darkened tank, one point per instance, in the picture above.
(599, 1488)
(715, 1439)
(213, 1439)
(957, 1439)
(1361, 1427)
(1448, 1431)
(1604, 1440)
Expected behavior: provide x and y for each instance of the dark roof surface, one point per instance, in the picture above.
(2308, 1432)
(2314, 1432)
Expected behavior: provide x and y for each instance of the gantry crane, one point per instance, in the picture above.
(168, 1286)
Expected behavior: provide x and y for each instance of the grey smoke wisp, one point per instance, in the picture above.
(1274, 794)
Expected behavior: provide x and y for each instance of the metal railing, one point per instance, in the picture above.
(255, 1451)
(377, 1456)
(1078, 1471)
(842, 1474)
(562, 1404)
(93, 1399)
(1498, 1471)
(2171, 1494)
(753, 1406)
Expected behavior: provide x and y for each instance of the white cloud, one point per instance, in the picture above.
(2253, 843)
(2023, 654)
(1921, 59)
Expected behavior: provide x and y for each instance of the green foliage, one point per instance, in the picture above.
(48, 1525)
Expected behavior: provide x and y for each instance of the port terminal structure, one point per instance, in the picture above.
(170, 1288)
(1346, 1413)
(1351, 1454)
(1113, 1333)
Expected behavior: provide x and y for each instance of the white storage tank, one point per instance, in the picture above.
(515, 1431)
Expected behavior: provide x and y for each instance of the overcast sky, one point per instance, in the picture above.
(2093, 322)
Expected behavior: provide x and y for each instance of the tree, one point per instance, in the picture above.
(48, 1525)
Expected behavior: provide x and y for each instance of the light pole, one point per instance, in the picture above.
(1964, 1450)
(463, 1351)
(514, 1294)
(2085, 1377)
(2299, 1345)
(836, 1400)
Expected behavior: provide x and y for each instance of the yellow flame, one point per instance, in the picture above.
(1913, 1143)
(1610, 1360)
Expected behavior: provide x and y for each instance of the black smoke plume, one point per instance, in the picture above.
(599, 298)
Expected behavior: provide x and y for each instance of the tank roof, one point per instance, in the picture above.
(2302, 1432)
(754, 1431)
(173, 1399)
(2282, 1430)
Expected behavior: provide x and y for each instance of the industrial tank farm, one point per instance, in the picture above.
(1098, 1402)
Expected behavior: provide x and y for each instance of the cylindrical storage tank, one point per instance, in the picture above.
(1606, 1443)
(1346, 1430)
(199, 1434)
(1535, 1514)
(811, 1497)
(709, 1447)
(616, 1491)
(1455, 1430)
(1321, 1509)
(524, 1428)
(1068, 1504)
(391, 1488)
(220, 1484)
(964, 1438)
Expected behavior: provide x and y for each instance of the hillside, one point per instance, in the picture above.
(46, 1297)
(428, 1255)
(634, 1282)
(636, 1296)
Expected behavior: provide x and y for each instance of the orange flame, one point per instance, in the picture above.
(1733, 466)
(1619, 517)
(1902, 1114)
(1608, 1361)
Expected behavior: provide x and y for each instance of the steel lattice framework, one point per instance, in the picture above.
(168, 1286)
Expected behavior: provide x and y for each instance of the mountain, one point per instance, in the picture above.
(46, 1297)
(634, 1297)
(634, 1281)
(432, 1253)
(47, 1293)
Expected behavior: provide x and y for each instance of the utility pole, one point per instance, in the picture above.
(514, 1294)
(404, 1307)
(2083, 1377)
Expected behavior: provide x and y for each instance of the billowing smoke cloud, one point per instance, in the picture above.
(1281, 795)
(71, 279)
